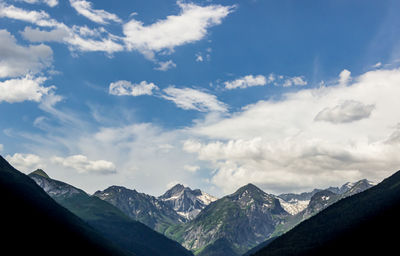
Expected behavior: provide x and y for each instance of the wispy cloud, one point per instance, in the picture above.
(51, 3)
(123, 87)
(85, 8)
(192, 99)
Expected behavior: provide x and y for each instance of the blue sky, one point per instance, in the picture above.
(289, 95)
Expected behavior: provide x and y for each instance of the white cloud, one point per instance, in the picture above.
(189, 26)
(377, 65)
(22, 89)
(38, 18)
(347, 111)
(191, 99)
(78, 38)
(246, 81)
(99, 16)
(25, 162)
(164, 66)
(297, 80)
(59, 34)
(83, 165)
(191, 168)
(1, 147)
(123, 87)
(199, 57)
(344, 77)
(51, 3)
(279, 146)
(16, 60)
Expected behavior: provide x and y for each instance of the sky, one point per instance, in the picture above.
(288, 95)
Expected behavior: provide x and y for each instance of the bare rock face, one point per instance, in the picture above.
(147, 209)
(187, 202)
(244, 219)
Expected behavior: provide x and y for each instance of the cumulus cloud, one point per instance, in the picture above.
(16, 60)
(188, 26)
(85, 9)
(83, 165)
(25, 162)
(297, 80)
(124, 87)
(279, 146)
(246, 81)
(164, 66)
(191, 99)
(346, 112)
(25, 88)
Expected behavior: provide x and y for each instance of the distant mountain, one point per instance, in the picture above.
(365, 223)
(187, 202)
(243, 219)
(34, 224)
(153, 212)
(296, 203)
(320, 199)
(112, 223)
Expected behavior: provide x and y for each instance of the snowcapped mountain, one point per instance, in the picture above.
(187, 202)
(243, 219)
(296, 203)
(294, 206)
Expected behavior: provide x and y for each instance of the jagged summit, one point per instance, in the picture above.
(178, 188)
(147, 209)
(185, 201)
(251, 191)
(40, 172)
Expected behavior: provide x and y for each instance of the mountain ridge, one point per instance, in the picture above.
(112, 223)
(358, 224)
(63, 232)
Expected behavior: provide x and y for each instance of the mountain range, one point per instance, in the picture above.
(365, 223)
(108, 220)
(248, 218)
(204, 224)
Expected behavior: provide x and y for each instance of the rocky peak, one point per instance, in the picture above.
(359, 186)
(52, 187)
(40, 172)
(175, 190)
(186, 202)
(249, 190)
(141, 207)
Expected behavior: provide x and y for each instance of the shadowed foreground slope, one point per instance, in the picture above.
(34, 224)
(363, 224)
